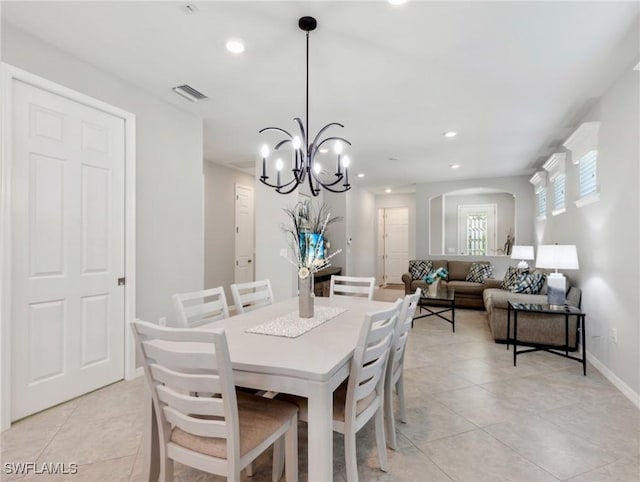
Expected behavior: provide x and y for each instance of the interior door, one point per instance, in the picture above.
(68, 249)
(244, 234)
(380, 255)
(396, 244)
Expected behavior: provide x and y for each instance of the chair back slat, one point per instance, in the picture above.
(352, 286)
(252, 295)
(168, 356)
(191, 405)
(185, 382)
(195, 426)
(401, 336)
(200, 307)
(370, 357)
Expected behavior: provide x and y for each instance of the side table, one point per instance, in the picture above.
(563, 311)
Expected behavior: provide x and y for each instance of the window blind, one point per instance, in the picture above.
(588, 179)
(558, 192)
(541, 208)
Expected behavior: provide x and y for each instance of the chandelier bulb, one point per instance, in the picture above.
(279, 164)
(346, 161)
(338, 147)
(296, 143)
(317, 168)
(264, 151)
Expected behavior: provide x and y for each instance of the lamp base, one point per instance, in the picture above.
(523, 265)
(556, 289)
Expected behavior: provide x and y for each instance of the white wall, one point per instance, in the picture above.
(169, 171)
(219, 224)
(607, 234)
(519, 186)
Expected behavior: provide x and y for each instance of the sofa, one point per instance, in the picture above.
(467, 293)
(533, 328)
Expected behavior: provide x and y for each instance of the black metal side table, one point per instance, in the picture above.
(565, 311)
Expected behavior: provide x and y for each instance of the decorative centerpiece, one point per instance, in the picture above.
(433, 280)
(308, 245)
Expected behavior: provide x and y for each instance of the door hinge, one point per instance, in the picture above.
(237, 263)
(121, 281)
(237, 229)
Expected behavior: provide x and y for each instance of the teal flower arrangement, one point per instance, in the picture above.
(440, 273)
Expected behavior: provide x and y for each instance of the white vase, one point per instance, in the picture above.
(305, 297)
(432, 289)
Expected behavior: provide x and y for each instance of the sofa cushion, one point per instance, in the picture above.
(478, 272)
(511, 277)
(496, 298)
(419, 268)
(458, 270)
(466, 287)
(529, 283)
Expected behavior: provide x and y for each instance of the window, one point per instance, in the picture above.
(558, 195)
(477, 234)
(541, 204)
(583, 144)
(477, 229)
(588, 178)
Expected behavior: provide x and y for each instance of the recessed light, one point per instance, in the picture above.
(397, 2)
(387, 190)
(324, 150)
(450, 134)
(235, 46)
(454, 166)
(361, 174)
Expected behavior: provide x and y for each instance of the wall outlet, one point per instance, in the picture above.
(283, 252)
(162, 321)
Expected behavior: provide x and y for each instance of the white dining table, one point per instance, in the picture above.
(312, 365)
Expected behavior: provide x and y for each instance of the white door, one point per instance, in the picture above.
(477, 229)
(244, 234)
(396, 257)
(68, 249)
(380, 255)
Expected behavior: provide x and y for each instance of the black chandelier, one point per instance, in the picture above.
(304, 165)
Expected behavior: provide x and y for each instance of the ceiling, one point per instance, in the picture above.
(512, 78)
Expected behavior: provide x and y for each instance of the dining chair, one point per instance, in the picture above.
(200, 307)
(352, 286)
(360, 398)
(221, 434)
(395, 366)
(252, 295)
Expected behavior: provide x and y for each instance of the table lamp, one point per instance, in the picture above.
(557, 256)
(522, 253)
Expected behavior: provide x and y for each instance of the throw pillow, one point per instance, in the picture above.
(511, 278)
(529, 283)
(479, 272)
(419, 268)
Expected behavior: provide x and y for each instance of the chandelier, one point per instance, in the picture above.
(304, 165)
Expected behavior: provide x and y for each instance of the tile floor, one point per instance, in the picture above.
(472, 417)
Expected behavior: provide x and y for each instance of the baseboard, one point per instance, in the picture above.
(139, 372)
(613, 378)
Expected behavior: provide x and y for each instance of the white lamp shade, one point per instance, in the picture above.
(522, 252)
(557, 256)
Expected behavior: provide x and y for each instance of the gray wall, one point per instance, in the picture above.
(169, 171)
(219, 224)
(519, 186)
(607, 234)
(505, 220)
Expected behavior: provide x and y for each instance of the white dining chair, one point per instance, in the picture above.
(352, 286)
(395, 366)
(221, 434)
(361, 396)
(252, 295)
(200, 307)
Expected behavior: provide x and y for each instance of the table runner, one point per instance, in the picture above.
(292, 326)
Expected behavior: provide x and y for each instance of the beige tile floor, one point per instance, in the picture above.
(472, 417)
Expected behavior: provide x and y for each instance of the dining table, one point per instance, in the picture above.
(310, 365)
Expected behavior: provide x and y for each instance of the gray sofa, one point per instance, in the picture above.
(533, 328)
(468, 294)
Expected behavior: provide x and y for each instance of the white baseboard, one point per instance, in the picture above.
(139, 372)
(613, 378)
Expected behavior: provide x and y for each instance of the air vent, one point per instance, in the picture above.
(189, 93)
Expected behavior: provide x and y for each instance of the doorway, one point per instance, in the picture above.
(244, 240)
(393, 244)
(68, 234)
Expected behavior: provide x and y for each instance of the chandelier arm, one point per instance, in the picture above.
(315, 140)
(333, 138)
(314, 191)
(325, 184)
(274, 129)
(293, 188)
(336, 191)
(303, 133)
(281, 143)
(276, 186)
